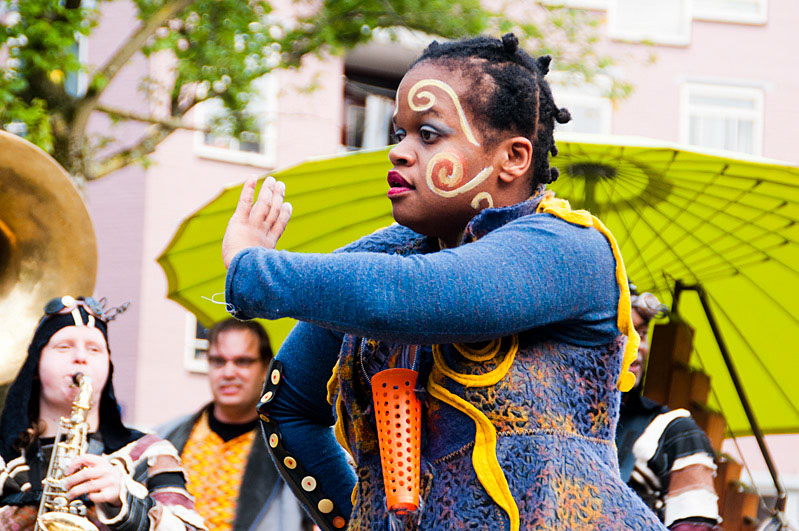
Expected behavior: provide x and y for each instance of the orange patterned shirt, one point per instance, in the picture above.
(215, 469)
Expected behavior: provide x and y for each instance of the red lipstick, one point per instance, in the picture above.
(398, 185)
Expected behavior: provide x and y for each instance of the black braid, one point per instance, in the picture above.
(518, 100)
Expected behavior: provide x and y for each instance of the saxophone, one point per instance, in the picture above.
(56, 512)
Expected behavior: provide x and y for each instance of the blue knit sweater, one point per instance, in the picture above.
(515, 272)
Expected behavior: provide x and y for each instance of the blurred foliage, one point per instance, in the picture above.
(220, 47)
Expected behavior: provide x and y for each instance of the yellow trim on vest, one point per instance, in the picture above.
(483, 354)
(484, 456)
(562, 209)
(338, 429)
(332, 384)
(478, 380)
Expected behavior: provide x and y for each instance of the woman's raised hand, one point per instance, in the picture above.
(256, 225)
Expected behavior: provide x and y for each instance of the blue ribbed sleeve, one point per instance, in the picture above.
(535, 271)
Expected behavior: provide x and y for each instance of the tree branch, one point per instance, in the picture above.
(170, 123)
(136, 42)
(125, 157)
(115, 63)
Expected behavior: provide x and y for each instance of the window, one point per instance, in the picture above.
(367, 120)
(373, 72)
(741, 11)
(196, 351)
(658, 21)
(591, 111)
(256, 148)
(722, 117)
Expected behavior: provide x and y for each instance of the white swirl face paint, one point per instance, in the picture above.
(480, 197)
(446, 172)
(430, 100)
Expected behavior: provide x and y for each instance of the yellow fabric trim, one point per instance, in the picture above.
(338, 429)
(484, 456)
(478, 380)
(332, 385)
(562, 209)
(484, 354)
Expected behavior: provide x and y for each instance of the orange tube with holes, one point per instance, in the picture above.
(398, 413)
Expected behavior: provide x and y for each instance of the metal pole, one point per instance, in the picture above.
(779, 506)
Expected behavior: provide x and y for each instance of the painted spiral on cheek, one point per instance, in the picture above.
(445, 172)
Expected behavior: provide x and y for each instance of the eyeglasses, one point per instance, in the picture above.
(218, 362)
(66, 304)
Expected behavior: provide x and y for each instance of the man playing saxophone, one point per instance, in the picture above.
(115, 478)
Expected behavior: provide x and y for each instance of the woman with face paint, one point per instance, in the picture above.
(125, 480)
(512, 309)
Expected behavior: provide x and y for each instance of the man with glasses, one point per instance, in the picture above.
(232, 478)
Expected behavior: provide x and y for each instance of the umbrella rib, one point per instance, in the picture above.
(708, 269)
(701, 244)
(215, 241)
(650, 205)
(631, 176)
(789, 173)
(630, 231)
(298, 246)
(744, 221)
(731, 233)
(226, 210)
(753, 192)
(344, 227)
(754, 353)
(679, 184)
(634, 243)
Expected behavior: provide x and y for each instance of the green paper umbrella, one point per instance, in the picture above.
(335, 201)
(724, 220)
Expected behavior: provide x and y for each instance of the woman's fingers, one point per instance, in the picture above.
(244, 206)
(259, 224)
(277, 228)
(264, 203)
(278, 193)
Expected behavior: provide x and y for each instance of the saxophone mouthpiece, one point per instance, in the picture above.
(76, 379)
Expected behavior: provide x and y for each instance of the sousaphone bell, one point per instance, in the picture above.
(47, 244)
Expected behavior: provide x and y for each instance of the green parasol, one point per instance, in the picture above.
(724, 220)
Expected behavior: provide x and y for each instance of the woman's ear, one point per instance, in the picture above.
(516, 157)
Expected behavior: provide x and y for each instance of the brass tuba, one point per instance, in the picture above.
(47, 244)
(56, 512)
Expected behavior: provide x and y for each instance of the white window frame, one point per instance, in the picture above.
(719, 14)
(191, 362)
(267, 158)
(568, 91)
(631, 35)
(722, 90)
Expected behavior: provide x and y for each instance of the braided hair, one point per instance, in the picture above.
(509, 89)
